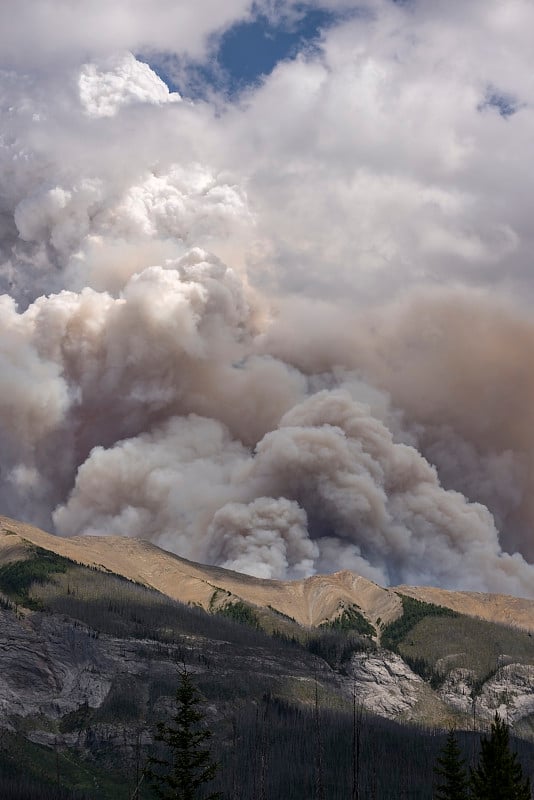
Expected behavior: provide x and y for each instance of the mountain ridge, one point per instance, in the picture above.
(309, 601)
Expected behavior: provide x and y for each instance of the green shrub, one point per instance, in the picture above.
(351, 619)
(240, 612)
(337, 647)
(17, 577)
(281, 613)
(425, 670)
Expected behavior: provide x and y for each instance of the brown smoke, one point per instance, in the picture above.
(460, 366)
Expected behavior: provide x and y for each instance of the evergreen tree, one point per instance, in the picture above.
(186, 769)
(451, 773)
(498, 774)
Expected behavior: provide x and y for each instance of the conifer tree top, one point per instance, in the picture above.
(186, 766)
(498, 774)
(452, 782)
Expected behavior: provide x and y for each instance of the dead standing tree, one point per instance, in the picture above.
(319, 755)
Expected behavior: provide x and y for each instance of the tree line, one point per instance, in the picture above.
(186, 769)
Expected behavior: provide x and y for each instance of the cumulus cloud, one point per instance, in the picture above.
(121, 81)
(287, 333)
(79, 207)
(391, 160)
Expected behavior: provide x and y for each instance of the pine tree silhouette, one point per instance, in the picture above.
(451, 772)
(498, 774)
(186, 769)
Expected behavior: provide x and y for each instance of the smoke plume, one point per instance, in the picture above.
(197, 350)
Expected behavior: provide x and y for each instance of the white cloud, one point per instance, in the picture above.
(371, 165)
(40, 32)
(120, 81)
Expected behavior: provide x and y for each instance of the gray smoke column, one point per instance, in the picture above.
(329, 487)
(150, 387)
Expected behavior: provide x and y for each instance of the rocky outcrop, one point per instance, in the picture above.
(51, 667)
(510, 692)
(384, 684)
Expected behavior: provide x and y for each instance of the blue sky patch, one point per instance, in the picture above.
(251, 50)
(245, 53)
(503, 102)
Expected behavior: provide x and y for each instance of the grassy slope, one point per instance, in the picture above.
(473, 644)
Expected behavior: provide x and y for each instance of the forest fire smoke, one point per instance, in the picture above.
(150, 388)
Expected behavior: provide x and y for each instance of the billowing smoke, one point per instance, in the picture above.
(167, 369)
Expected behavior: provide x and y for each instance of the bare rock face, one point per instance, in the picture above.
(51, 667)
(510, 693)
(457, 690)
(384, 684)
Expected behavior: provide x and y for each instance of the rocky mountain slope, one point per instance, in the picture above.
(91, 632)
